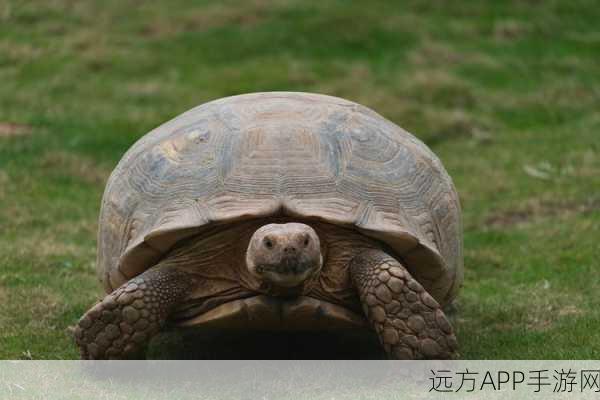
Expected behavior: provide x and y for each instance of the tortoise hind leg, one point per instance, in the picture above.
(121, 325)
(409, 322)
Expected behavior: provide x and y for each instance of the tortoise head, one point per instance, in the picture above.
(284, 255)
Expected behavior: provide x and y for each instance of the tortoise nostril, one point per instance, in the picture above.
(289, 249)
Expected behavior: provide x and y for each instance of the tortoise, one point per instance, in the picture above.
(277, 210)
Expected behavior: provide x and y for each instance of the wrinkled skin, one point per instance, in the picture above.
(284, 254)
(284, 259)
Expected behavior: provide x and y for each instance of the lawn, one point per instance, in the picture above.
(507, 93)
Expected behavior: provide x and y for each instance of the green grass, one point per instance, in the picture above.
(506, 93)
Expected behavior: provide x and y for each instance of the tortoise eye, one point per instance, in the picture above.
(268, 243)
(306, 241)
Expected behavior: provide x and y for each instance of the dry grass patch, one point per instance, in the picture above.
(562, 94)
(430, 53)
(546, 304)
(586, 165)
(443, 125)
(3, 295)
(533, 307)
(537, 209)
(40, 302)
(76, 166)
(356, 82)
(19, 52)
(150, 88)
(439, 87)
(216, 15)
(509, 29)
(41, 246)
(4, 180)
(52, 243)
(44, 306)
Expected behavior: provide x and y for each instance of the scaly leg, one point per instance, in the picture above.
(121, 325)
(409, 322)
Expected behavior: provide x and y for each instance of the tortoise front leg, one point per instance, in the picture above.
(409, 322)
(121, 325)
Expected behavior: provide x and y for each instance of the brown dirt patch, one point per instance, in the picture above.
(10, 130)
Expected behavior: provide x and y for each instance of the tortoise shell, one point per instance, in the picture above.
(307, 156)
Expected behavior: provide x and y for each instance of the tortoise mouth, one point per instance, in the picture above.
(263, 312)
